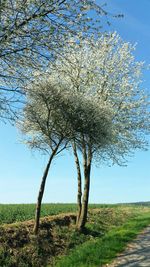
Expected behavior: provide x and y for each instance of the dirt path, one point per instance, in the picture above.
(137, 253)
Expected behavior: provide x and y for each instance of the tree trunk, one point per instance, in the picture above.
(40, 196)
(87, 160)
(41, 191)
(83, 217)
(79, 194)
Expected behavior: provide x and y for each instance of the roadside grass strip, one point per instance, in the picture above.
(100, 251)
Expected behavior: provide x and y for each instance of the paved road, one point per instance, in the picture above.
(137, 254)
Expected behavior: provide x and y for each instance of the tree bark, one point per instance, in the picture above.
(79, 194)
(87, 160)
(41, 191)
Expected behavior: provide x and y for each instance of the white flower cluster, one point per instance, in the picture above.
(99, 83)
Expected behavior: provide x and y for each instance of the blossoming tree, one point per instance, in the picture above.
(31, 32)
(99, 108)
(106, 74)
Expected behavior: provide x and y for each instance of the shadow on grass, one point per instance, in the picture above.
(93, 233)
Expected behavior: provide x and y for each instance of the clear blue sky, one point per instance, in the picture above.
(21, 169)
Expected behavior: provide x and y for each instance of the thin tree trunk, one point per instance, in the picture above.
(41, 191)
(87, 160)
(79, 194)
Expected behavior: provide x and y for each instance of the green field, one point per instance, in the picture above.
(10, 213)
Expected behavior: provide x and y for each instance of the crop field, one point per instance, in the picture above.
(10, 213)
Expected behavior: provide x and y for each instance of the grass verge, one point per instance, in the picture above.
(97, 252)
